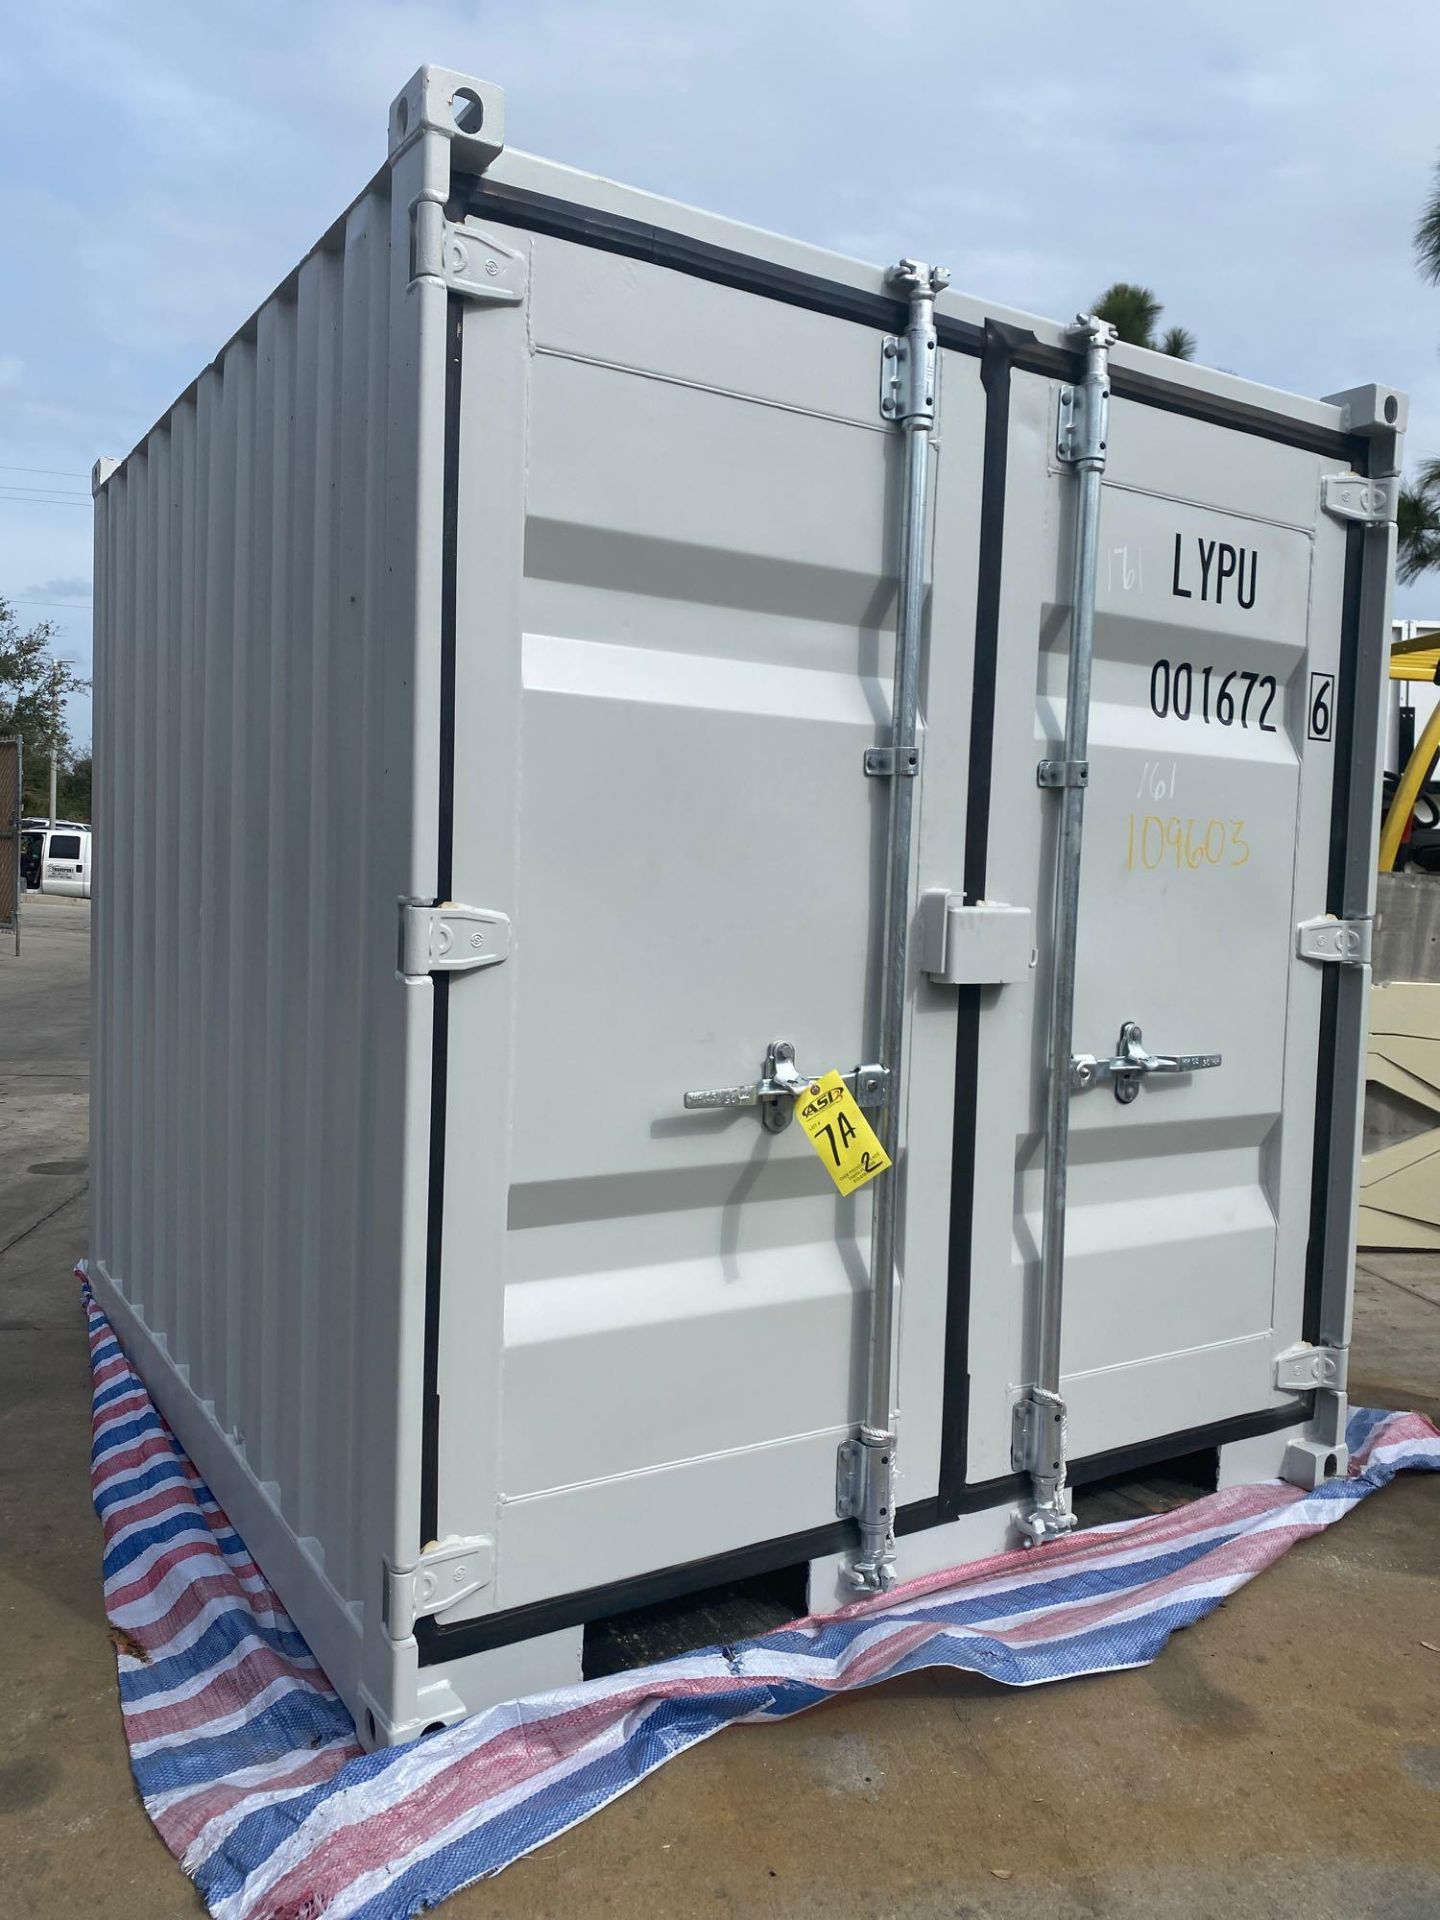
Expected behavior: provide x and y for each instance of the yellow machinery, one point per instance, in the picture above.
(1417, 657)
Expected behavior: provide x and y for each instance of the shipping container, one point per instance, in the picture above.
(573, 673)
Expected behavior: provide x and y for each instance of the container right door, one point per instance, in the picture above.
(1213, 737)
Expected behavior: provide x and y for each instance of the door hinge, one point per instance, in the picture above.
(1351, 496)
(465, 259)
(1303, 1368)
(1340, 943)
(444, 1575)
(451, 938)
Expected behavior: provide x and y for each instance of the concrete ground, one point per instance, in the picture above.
(1281, 1758)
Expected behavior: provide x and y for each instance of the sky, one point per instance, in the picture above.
(163, 166)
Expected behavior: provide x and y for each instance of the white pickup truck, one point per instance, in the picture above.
(56, 859)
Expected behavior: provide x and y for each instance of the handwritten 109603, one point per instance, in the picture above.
(1155, 841)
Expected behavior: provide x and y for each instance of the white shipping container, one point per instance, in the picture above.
(502, 734)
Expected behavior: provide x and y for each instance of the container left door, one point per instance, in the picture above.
(674, 595)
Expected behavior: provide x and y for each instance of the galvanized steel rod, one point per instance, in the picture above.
(894, 952)
(1083, 441)
(914, 407)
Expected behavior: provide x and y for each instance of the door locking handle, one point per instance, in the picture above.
(779, 1083)
(1130, 1065)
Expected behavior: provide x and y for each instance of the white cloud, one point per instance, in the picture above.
(69, 587)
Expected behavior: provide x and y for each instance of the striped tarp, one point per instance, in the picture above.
(249, 1766)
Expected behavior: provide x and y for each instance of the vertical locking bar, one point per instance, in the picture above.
(907, 397)
(1083, 432)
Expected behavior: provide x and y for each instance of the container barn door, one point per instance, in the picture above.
(652, 1322)
(1212, 750)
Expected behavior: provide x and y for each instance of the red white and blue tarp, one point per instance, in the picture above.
(249, 1766)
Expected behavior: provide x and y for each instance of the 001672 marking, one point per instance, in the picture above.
(1183, 691)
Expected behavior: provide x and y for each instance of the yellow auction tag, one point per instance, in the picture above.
(840, 1133)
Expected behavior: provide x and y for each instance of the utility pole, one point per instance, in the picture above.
(56, 667)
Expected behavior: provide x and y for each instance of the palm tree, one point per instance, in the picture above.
(1417, 546)
(1418, 535)
(1134, 312)
(1131, 310)
(1427, 235)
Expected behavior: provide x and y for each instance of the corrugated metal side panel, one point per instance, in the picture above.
(250, 693)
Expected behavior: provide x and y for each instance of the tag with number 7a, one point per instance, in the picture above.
(839, 1132)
